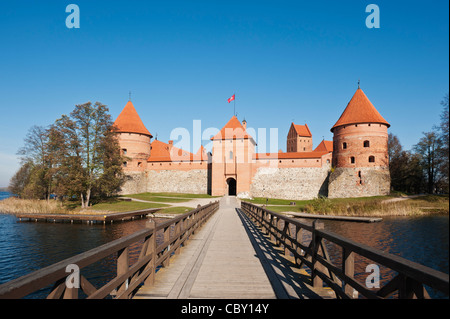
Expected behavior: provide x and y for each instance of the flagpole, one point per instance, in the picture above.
(234, 104)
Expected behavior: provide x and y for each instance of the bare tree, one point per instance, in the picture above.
(429, 150)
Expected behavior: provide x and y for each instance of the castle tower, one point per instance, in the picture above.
(360, 151)
(232, 157)
(134, 139)
(299, 139)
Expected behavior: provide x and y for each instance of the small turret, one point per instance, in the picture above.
(134, 138)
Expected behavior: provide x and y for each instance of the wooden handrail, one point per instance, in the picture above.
(409, 283)
(175, 233)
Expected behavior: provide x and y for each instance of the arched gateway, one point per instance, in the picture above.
(231, 182)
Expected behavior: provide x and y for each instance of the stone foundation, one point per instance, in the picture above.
(136, 182)
(174, 181)
(359, 182)
(290, 183)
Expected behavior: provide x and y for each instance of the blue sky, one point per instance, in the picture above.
(285, 60)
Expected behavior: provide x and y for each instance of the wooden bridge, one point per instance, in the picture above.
(233, 250)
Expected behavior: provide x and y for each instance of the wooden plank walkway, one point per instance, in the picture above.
(229, 259)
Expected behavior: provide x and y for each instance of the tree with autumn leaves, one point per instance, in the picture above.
(78, 156)
(424, 169)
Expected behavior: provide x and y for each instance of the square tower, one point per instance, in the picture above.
(232, 158)
(299, 139)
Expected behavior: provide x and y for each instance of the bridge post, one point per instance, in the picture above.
(166, 237)
(315, 244)
(178, 235)
(151, 249)
(122, 268)
(299, 240)
(348, 265)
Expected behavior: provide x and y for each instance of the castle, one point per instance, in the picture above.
(354, 164)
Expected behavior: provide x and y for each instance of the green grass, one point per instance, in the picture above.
(124, 206)
(361, 206)
(173, 195)
(175, 210)
(167, 197)
(151, 198)
(301, 204)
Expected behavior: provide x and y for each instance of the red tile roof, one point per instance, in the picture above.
(129, 121)
(232, 130)
(163, 152)
(289, 155)
(324, 146)
(360, 110)
(302, 130)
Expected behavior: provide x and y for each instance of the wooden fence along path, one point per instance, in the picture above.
(410, 281)
(241, 251)
(129, 276)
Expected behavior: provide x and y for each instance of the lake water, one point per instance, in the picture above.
(29, 246)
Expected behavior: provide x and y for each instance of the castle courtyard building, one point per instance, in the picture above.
(354, 164)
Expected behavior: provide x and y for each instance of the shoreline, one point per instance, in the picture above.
(322, 208)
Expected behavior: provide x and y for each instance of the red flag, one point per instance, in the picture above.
(231, 98)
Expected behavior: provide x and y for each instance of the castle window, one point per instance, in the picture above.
(139, 164)
(344, 145)
(352, 160)
(371, 159)
(124, 151)
(125, 164)
(366, 144)
(231, 155)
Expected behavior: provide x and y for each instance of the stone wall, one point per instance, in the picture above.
(174, 181)
(136, 182)
(359, 182)
(290, 183)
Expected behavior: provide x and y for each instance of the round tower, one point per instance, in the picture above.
(360, 151)
(134, 139)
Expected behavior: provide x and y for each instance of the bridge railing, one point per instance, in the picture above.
(409, 282)
(129, 275)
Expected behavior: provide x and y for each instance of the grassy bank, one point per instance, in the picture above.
(365, 206)
(168, 197)
(14, 205)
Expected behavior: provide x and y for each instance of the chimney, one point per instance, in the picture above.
(244, 124)
(170, 144)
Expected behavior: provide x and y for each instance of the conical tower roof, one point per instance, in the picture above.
(129, 121)
(360, 110)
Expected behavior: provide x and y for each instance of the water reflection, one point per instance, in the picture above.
(422, 239)
(29, 246)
